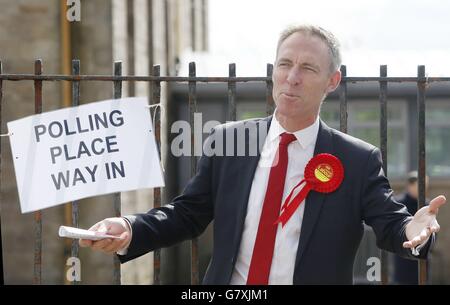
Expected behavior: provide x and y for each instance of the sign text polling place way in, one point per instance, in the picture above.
(78, 152)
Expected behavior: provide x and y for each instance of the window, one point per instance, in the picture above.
(364, 123)
(437, 133)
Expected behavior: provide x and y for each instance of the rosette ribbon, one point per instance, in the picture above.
(323, 173)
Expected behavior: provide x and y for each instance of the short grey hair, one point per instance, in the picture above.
(326, 36)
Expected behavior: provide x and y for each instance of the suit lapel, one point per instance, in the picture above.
(247, 168)
(314, 200)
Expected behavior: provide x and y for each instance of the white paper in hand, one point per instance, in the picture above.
(74, 233)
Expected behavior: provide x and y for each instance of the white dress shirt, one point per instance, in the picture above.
(287, 238)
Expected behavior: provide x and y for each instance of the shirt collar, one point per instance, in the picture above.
(305, 136)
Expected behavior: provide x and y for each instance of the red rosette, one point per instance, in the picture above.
(323, 173)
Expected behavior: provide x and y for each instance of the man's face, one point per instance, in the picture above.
(302, 76)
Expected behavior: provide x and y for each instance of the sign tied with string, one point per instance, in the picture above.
(89, 150)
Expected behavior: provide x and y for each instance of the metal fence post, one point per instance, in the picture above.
(232, 93)
(270, 104)
(117, 93)
(156, 99)
(343, 100)
(75, 103)
(421, 90)
(37, 277)
(383, 146)
(192, 110)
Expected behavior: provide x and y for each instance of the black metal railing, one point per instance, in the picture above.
(155, 80)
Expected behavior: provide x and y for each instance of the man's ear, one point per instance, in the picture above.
(335, 80)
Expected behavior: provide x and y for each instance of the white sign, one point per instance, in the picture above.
(73, 153)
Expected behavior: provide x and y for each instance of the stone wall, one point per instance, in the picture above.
(28, 30)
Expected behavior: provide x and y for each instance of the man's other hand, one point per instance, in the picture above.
(424, 223)
(116, 226)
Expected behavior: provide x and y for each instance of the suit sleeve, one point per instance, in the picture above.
(186, 217)
(383, 213)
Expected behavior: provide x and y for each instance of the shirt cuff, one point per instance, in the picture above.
(124, 251)
(416, 250)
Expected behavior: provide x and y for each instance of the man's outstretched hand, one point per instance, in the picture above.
(424, 223)
(113, 226)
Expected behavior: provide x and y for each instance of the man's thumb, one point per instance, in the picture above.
(436, 203)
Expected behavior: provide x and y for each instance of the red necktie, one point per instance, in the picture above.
(267, 230)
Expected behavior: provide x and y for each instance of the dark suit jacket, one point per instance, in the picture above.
(332, 224)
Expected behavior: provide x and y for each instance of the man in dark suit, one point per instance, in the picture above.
(244, 194)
